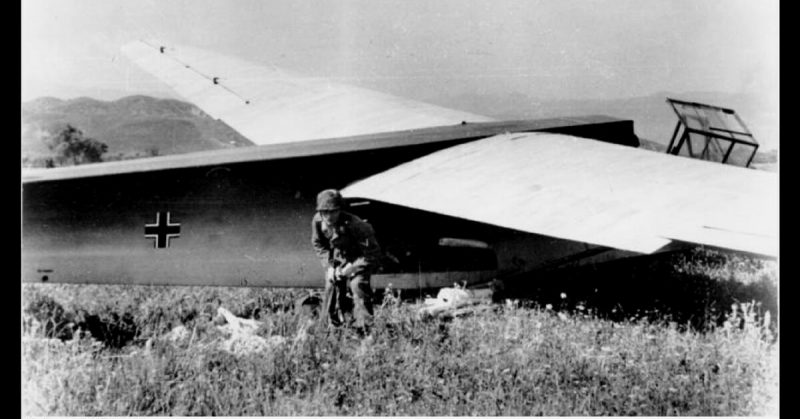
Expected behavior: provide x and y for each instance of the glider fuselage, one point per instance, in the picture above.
(248, 223)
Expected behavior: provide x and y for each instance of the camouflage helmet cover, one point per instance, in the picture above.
(329, 200)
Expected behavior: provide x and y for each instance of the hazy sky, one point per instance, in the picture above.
(549, 49)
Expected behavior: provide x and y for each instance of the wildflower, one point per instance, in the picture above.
(548, 307)
(563, 295)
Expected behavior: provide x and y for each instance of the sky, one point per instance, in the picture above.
(548, 49)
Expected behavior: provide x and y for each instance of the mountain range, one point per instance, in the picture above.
(139, 126)
(132, 126)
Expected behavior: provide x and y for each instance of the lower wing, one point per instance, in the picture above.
(588, 191)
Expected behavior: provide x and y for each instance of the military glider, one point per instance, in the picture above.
(453, 196)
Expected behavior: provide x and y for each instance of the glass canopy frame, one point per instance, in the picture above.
(711, 124)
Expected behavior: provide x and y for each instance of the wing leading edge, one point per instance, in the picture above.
(270, 106)
(588, 191)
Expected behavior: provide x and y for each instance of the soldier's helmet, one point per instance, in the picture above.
(329, 200)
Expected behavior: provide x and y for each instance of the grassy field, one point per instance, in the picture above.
(568, 356)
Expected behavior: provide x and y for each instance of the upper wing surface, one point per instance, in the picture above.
(588, 191)
(269, 106)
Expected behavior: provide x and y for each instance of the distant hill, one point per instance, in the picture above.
(133, 126)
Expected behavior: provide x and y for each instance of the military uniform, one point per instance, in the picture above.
(348, 245)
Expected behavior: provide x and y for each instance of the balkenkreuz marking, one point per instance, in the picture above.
(162, 230)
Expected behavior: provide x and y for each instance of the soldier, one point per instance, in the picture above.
(349, 253)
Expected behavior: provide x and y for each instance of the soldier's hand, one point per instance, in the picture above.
(330, 274)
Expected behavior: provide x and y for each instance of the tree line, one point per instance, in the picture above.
(71, 147)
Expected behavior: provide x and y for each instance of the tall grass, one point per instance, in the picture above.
(108, 350)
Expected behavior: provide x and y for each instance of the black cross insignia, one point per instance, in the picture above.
(162, 230)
